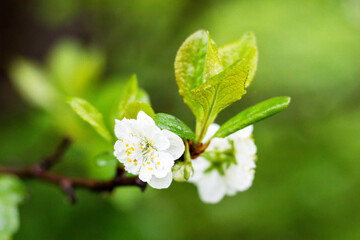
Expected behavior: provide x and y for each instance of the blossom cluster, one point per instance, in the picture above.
(226, 167)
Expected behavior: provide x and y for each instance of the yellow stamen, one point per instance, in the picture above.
(150, 168)
(158, 163)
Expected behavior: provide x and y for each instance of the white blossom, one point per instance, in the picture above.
(146, 150)
(226, 167)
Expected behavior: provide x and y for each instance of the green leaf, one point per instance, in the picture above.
(196, 61)
(234, 52)
(75, 68)
(134, 108)
(12, 192)
(33, 85)
(106, 159)
(11, 189)
(252, 115)
(142, 96)
(129, 95)
(91, 115)
(9, 220)
(219, 92)
(173, 124)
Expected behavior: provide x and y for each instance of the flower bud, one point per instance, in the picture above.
(182, 171)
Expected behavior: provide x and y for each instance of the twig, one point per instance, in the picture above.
(54, 158)
(70, 184)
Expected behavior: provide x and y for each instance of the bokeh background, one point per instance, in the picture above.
(307, 183)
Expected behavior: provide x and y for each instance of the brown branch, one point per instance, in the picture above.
(54, 158)
(67, 183)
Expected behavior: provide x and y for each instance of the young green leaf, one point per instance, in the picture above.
(232, 53)
(142, 96)
(91, 115)
(31, 81)
(252, 115)
(134, 108)
(75, 68)
(11, 189)
(196, 61)
(12, 192)
(129, 95)
(219, 92)
(175, 125)
(9, 219)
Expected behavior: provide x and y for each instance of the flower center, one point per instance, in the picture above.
(220, 160)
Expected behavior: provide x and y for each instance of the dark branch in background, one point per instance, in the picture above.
(53, 159)
(69, 184)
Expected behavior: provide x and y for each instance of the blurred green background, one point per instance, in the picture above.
(307, 183)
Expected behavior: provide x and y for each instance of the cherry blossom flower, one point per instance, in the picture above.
(146, 150)
(226, 167)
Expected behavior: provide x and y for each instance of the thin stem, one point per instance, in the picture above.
(69, 184)
(54, 158)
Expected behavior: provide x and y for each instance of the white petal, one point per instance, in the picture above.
(219, 144)
(239, 178)
(161, 183)
(166, 162)
(177, 147)
(145, 119)
(121, 130)
(160, 141)
(243, 133)
(245, 146)
(200, 165)
(211, 131)
(211, 187)
(245, 161)
(230, 191)
(145, 174)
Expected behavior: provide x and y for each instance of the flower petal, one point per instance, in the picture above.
(243, 133)
(121, 129)
(163, 164)
(211, 131)
(144, 119)
(219, 144)
(245, 146)
(239, 178)
(230, 191)
(145, 174)
(211, 187)
(161, 183)
(177, 147)
(160, 140)
(200, 165)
